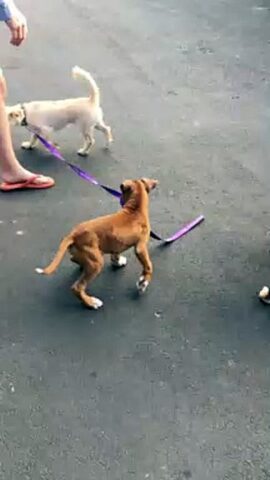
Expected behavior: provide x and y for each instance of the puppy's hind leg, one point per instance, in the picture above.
(89, 141)
(31, 144)
(92, 263)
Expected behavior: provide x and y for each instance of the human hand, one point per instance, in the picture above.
(18, 27)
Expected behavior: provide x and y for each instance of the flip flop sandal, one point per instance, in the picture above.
(29, 184)
(264, 295)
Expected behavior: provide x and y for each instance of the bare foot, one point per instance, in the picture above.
(23, 175)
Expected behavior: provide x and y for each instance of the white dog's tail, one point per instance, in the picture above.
(79, 73)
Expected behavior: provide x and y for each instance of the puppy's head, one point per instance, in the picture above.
(15, 115)
(129, 188)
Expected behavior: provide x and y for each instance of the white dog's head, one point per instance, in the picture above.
(16, 114)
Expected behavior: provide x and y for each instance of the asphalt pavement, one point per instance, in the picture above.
(173, 385)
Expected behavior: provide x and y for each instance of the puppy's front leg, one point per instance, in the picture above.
(32, 143)
(141, 252)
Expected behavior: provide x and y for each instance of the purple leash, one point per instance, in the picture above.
(90, 179)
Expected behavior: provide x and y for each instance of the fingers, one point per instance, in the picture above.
(23, 32)
(18, 30)
(14, 37)
(18, 35)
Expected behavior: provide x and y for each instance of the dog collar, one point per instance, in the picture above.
(24, 120)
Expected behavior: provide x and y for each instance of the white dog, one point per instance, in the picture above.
(46, 117)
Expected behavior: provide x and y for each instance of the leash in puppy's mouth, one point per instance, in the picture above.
(90, 179)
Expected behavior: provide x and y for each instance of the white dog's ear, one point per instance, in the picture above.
(12, 115)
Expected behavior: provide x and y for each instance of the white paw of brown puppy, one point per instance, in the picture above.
(142, 284)
(119, 262)
(96, 303)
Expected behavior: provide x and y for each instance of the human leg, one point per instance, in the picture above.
(11, 171)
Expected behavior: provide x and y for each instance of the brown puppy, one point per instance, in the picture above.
(111, 234)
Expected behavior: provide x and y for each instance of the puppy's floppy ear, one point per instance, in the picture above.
(149, 184)
(126, 186)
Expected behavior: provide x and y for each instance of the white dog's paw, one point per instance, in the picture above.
(108, 144)
(82, 152)
(119, 262)
(96, 303)
(27, 145)
(142, 284)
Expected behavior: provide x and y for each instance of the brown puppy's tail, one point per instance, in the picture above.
(66, 242)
